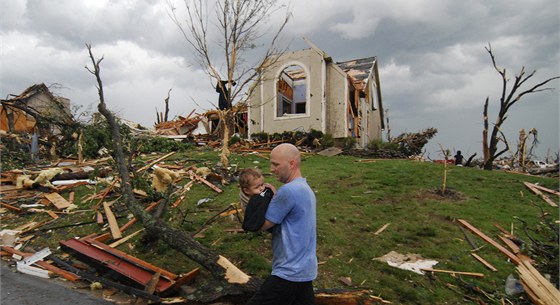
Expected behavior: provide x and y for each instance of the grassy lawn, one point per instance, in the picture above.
(354, 200)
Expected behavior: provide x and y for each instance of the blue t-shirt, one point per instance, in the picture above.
(294, 238)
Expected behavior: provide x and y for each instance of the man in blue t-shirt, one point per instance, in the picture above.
(291, 214)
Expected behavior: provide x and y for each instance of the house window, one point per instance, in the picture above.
(291, 88)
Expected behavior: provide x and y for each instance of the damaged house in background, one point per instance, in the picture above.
(36, 106)
(307, 90)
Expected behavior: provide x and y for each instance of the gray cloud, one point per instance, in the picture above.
(434, 69)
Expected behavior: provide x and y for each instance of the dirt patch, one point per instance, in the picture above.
(438, 194)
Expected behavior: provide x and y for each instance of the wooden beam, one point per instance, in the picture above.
(484, 262)
(10, 207)
(63, 273)
(540, 194)
(544, 189)
(113, 225)
(489, 240)
(540, 287)
(475, 274)
(58, 201)
(208, 183)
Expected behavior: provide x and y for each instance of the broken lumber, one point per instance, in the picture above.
(61, 272)
(484, 262)
(544, 189)
(113, 225)
(489, 240)
(476, 274)
(540, 194)
(104, 237)
(360, 297)
(145, 167)
(382, 229)
(10, 207)
(58, 201)
(124, 239)
(208, 183)
(538, 288)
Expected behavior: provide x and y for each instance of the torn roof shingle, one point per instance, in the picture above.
(358, 69)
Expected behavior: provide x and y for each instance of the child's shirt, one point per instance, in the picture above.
(256, 210)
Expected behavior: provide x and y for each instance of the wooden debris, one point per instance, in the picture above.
(382, 229)
(113, 225)
(540, 194)
(145, 167)
(124, 239)
(484, 262)
(52, 214)
(475, 274)
(209, 184)
(10, 207)
(514, 248)
(489, 240)
(63, 273)
(366, 160)
(345, 280)
(104, 237)
(151, 285)
(58, 201)
(544, 189)
(360, 297)
(538, 288)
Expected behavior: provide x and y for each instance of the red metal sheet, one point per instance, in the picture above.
(120, 262)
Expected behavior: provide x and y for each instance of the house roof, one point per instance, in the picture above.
(31, 91)
(358, 69)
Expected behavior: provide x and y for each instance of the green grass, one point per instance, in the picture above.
(354, 200)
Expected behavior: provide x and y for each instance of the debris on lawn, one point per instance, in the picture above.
(540, 290)
(410, 262)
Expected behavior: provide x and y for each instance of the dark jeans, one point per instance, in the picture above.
(277, 291)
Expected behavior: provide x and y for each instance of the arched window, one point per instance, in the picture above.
(291, 87)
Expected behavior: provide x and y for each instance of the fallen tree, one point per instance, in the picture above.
(227, 278)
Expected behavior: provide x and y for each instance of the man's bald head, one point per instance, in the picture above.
(289, 151)
(285, 161)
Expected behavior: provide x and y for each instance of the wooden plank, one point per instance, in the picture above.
(124, 239)
(113, 225)
(475, 274)
(544, 189)
(104, 237)
(489, 240)
(484, 262)
(514, 248)
(382, 229)
(63, 273)
(538, 284)
(145, 167)
(52, 214)
(208, 183)
(540, 194)
(10, 207)
(58, 201)
(151, 285)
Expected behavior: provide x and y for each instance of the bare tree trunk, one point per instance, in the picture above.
(507, 100)
(166, 117)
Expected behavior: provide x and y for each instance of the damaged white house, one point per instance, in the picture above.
(307, 90)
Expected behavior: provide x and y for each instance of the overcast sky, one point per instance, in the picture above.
(434, 70)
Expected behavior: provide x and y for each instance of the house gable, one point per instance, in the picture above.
(342, 99)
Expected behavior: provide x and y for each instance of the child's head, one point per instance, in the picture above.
(251, 181)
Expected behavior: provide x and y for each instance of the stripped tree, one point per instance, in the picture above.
(507, 99)
(242, 26)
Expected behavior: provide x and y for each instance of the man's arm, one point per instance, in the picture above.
(267, 225)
